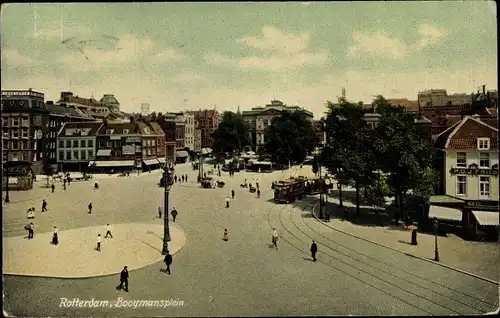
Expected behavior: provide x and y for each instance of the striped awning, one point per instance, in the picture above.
(486, 217)
(182, 154)
(443, 213)
(149, 162)
(112, 163)
(103, 152)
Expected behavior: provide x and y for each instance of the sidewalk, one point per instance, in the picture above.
(478, 258)
(134, 245)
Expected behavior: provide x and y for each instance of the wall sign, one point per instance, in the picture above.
(474, 169)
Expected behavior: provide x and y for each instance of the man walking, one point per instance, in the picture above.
(232, 194)
(186, 178)
(168, 262)
(53, 187)
(124, 279)
(90, 207)
(314, 250)
(98, 243)
(44, 205)
(30, 227)
(108, 231)
(275, 239)
(174, 213)
(159, 212)
(227, 202)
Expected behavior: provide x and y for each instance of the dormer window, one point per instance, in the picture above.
(483, 143)
(109, 131)
(125, 131)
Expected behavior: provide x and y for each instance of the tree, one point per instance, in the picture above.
(290, 137)
(48, 170)
(231, 134)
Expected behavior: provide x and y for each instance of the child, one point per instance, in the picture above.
(225, 237)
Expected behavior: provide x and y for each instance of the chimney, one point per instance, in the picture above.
(66, 96)
(484, 89)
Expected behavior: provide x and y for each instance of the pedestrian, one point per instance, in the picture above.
(258, 193)
(232, 193)
(64, 185)
(98, 248)
(123, 279)
(182, 178)
(227, 202)
(44, 205)
(175, 178)
(314, 250)
(90, 207)
(186, 178)
(174, 213)
(108, 231)
(53, 187)
(257, 184)
(31, 228)
(275, 239)
(168, 261)
(31, 213)
(55, 238)
(159, 212)
(225, 237)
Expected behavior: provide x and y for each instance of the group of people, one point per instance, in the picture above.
(99, 238)
(174, 213)
(182, 178)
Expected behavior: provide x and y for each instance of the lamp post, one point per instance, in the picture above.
(321, 185)
(435, 223)
(327, 184)
(168, 181)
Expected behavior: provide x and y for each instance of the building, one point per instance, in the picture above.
(59, 115)
(208, 121)
(111, 103)
(89, 105)
(18, 175)
(259, 118)
(167, 124)
(440, 97)
(189, 131)
(468, 191)
(77, 145)
(160, 142)
(25, 128)
(197, 140)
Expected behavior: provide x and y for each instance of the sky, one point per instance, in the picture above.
(182, 55)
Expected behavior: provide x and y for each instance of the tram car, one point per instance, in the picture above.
(289, 190)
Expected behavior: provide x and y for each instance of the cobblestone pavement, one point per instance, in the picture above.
(240, 277)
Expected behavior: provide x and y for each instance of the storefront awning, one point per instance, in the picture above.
(124, 163)
(149, 162)
(103, 152)
(162, 160)
(206, 151)
(486, 217)
(443, 213)
(182, 154)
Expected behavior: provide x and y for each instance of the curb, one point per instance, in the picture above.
(407, 254)
(101, 275)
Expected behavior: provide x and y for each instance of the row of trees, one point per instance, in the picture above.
(392, 158)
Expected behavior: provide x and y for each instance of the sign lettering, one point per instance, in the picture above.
(467, 171)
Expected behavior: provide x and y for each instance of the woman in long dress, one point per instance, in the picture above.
(55, 238)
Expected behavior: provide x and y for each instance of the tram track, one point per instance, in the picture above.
(408, 291)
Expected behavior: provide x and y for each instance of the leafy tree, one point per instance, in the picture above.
(315, 165)
(48, 170)
(231, 135)
(290, 137)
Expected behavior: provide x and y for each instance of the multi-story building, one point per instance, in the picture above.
(160, 142)
(111, 103)
(76, 145)
(25, 128)
(208, 121)
(197, 137)
(167, 124)
(91, 106)
(439, 97)
(259, 118)
(180, 128)
(150, 139)
(189, 131)
(468, 176)
(59, 115)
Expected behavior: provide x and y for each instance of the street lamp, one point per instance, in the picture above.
(435, 223)
(327, 184)
(6, 171)
(168, 180)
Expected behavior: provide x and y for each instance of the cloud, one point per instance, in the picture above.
(14, 58)
(169, 54)
(306, 3)
(188, 77)
(378, 44)
(383, 44)
(289, 51)
(275, 40)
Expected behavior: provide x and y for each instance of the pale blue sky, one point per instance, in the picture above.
(196, 55)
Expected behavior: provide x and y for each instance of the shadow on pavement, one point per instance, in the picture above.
(404, 242)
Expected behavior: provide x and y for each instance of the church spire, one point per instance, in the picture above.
(238, 111)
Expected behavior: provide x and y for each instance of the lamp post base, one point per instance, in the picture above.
(436, 255)
(164, 251)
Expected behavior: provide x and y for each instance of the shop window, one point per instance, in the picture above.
(461, 185)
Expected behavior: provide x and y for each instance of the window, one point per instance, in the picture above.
(83, 154)
(461, 159)
(68, 143)
(90, 143)
(61, 143)
(24, 144)
(109, 131)
(110, 144)
(68, 155)
(102, 144)
(15, 133)
(75, 154)
(118, 153)
(483, 143)
(484, 160)
(75, 143)
(15, 121)
(484, 186)
(15, 144)
(25, 133)
(82, 143)
(125, 131)
(153, 142)
(461, 185)
(61, 156)
(144, 143)
(90, 154)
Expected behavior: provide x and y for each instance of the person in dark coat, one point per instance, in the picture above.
(175, 178)
(314, 250)
(44, 205)
(53, 187)
(174, 214)
(124, 279)
(168, 262)
(186, 178)
(55, 238)
(31, 230)
(90, 207)
(232, 194)
(258, 193)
